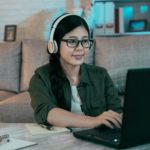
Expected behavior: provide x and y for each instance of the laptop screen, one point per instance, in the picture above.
(136, 122)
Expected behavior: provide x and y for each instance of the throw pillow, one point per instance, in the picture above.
(118, 54)
(34, 55)
(10, 66)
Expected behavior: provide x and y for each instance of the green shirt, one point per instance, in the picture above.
(96, 90)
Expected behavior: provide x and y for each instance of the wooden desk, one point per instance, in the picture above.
(62, 141)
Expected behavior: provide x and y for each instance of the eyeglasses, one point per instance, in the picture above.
(73, 43)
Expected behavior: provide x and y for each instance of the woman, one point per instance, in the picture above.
(67, 92)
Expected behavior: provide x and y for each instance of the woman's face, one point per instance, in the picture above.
(74, 55)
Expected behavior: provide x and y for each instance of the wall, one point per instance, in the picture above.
(33, 17)
(29, 15)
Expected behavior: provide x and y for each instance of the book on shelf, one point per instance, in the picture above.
(109, 18)
(104, 14)
(119, 20)
(100, 19)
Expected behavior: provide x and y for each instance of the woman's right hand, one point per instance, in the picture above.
(108, 118)
(63, 118)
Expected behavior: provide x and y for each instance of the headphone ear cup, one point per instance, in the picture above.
(52, 47)
(55, 47)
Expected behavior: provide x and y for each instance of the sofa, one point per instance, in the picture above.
(18, 61)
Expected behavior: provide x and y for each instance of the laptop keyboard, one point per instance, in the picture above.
(107, 134)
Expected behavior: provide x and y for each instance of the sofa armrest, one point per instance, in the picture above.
(17, 109)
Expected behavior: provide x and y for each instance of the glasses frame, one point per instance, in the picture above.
(78, 41)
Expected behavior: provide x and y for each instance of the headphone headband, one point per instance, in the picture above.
(52, 45)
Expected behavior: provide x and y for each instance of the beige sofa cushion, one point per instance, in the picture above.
(117, 54)
(10, 66)
(5, 94)
(34, 55)
(17, 109)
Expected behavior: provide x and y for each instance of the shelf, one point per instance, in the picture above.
(123, 1)
(124, 12)
(124, 34)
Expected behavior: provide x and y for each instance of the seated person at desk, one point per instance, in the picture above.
(67, 92)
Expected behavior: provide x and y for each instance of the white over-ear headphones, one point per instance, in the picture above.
(52, 45)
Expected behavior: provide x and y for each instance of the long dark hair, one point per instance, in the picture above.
(65, 26)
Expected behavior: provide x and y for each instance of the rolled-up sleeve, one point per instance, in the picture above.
(42, 98)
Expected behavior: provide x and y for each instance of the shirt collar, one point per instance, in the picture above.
(84, 78)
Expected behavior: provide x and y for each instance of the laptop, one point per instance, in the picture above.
(135, 128)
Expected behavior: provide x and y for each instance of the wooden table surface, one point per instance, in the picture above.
(61, 141)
